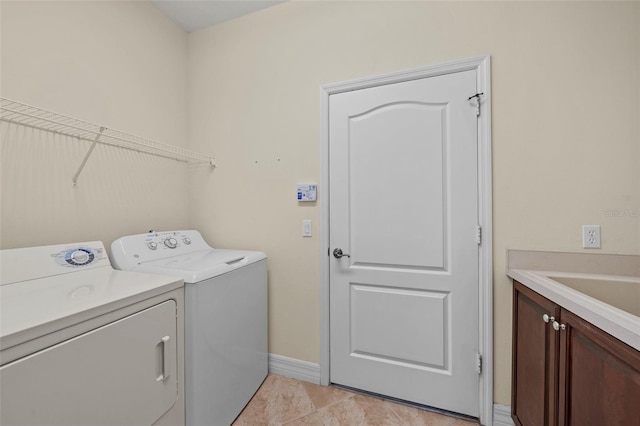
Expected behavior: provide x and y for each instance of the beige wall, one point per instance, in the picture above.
(566, 135)
(566, 132)
(119, 64)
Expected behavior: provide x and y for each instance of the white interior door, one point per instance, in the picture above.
(404, 208)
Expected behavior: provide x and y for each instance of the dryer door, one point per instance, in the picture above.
(123, 373)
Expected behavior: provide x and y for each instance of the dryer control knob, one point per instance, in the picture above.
(186, 240)
(152, 245)
(80, 257)
(171, 243)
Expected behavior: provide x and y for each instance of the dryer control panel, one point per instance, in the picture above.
(38, 262)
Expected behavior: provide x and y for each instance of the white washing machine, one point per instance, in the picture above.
(83, 344)
(226, 358)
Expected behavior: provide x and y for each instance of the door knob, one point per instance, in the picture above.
(547, 318)
(337, 253)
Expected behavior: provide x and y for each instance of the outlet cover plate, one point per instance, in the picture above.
(591, 236)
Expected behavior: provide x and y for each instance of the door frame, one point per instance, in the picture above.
(482, 66)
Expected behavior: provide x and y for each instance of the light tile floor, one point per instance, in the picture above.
(284, 401)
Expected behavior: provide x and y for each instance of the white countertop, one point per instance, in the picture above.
(621, 324)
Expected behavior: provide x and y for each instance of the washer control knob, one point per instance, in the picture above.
(171, 243)
(152, 245)
(186, 240)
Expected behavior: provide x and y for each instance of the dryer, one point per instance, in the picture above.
(83, 344)
(226, 356)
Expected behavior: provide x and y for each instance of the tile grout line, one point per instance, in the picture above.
(318, 409)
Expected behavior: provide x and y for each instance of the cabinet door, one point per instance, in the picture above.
(535, 348)
(123, 373)
(599, 377)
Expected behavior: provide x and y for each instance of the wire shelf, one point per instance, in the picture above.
(42, 119)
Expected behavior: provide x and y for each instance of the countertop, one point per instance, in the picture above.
(602, 289)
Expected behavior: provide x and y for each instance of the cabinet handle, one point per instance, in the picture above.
(547, 318)
(165, 359)
(557, 326)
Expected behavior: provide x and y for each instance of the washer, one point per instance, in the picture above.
(84, 344)
(226, 358)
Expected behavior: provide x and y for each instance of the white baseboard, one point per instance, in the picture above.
(310, 372)
(502, 415)
(294, 368)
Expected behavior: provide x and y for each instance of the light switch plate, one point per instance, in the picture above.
(306, 228)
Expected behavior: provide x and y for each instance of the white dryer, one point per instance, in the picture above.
(83, 344)
(226, 358)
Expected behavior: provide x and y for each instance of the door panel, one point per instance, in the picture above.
(403, 205)
(414, 235)
(379, 312)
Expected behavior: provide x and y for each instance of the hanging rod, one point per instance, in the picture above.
(42, 119)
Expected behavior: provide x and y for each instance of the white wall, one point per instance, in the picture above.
(566, 135)
(119, 64)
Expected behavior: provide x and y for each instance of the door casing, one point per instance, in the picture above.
(482, 66)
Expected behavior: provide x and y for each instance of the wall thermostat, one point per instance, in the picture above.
(307, 191)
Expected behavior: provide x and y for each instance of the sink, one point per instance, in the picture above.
(620, 293)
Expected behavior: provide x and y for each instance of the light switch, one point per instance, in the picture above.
(306, 228)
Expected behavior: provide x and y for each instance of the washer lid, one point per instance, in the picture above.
(199, 266)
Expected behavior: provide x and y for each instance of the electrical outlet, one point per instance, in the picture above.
(591, 236)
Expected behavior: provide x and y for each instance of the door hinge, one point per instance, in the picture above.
(479, 234)
(479, 363)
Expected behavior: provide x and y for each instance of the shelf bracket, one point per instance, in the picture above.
(74, 180)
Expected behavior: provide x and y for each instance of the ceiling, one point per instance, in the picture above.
(193, 15)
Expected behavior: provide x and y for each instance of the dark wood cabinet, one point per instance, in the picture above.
(599, 376)
(535, 359)
(566, 371)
